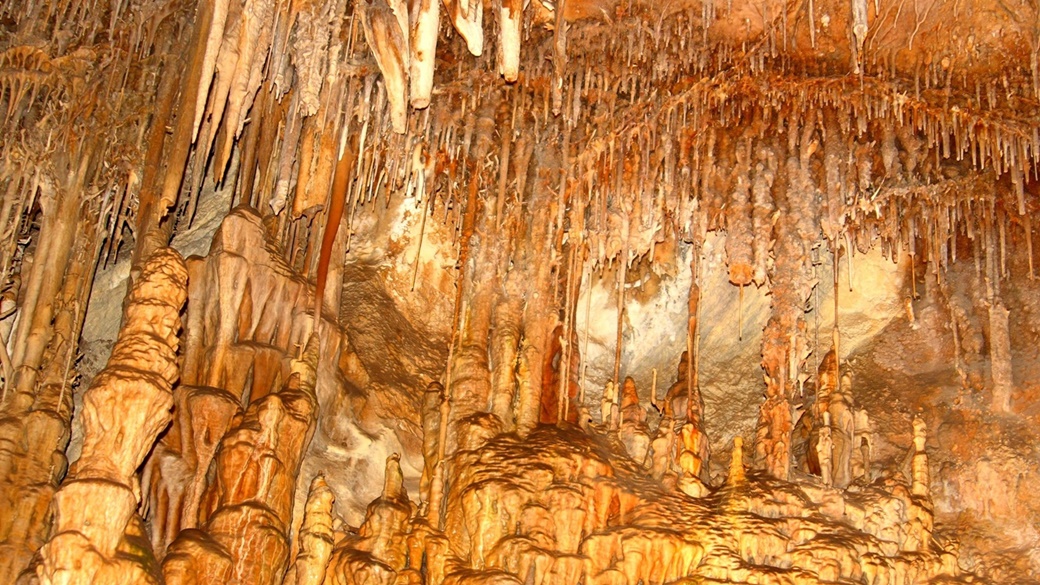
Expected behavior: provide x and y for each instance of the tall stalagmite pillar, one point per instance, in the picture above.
(125, 408)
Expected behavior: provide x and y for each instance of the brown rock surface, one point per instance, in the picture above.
(247, 511)
(496, 250)
(126, 407)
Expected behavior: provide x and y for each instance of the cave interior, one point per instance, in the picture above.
(532, 292)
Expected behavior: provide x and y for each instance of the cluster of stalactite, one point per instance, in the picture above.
(655, 133)
(297, 111)
(299, 107)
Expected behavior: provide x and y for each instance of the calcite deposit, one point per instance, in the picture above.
(489, 292)
(125, 408)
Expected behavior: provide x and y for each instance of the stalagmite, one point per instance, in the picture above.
(633, 431)
(1000, 356)
(94, 507)
(824, 447)
(921, 483)
(601, 143)
(843, 432)
(505, 342)
(685, 403)
(662, 450)
(608, 405)
(379, 550)
(316, 537)
(433, 397)
(736, 475)
(248, 508)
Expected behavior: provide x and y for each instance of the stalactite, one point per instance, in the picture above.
(622, 285)
(999, 335)
(193, 90)
(202, 417)
(238, 77)
(317, 160)
(333, 218)
(36, 425)
(468, 19)
(567, 335)
(425, 19)
(832, 218)
(214, 18)
(1028, 221)
(33, 334)
(836, 329)
(762, 214)
(560, 59)
(510, 19)
(387, 32)
(151, 206)
(739, 227)
(626, 87)
(859, 33)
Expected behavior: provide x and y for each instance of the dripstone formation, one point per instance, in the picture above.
(464, 292)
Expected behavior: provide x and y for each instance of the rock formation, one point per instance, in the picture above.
(436, 261)
(95, 538)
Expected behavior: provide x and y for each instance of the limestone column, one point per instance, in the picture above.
(125, 408)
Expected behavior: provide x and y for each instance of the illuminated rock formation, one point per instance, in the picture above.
(423, 343)
(316, 537)
(124, 410)
(580, 518)
(247, 511)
